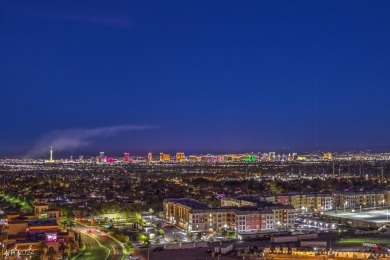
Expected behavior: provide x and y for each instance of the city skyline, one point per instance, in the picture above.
(92, 149)
(182, 156)
(234, 77)
(194, 130)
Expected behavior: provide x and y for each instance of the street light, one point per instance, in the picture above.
(91, 218)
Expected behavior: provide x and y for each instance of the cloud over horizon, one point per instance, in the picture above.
(62, 140)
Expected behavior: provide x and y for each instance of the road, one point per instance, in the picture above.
(99, 247)
(171, 232)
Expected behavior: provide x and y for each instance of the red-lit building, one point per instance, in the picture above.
(126, 157)
(284, 200)
(150, 157)
(249, 220)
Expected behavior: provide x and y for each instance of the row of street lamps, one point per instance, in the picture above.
(346, 203)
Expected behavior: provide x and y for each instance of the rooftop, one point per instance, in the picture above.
(191, 203)
(42, 222)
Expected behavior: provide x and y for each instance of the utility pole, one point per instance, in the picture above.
(333, 169)
(382, 171)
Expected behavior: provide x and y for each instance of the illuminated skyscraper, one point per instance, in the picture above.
(102, 158)
(165, 157)
(328, 156)
(180, 157)
(150, 157)
(126, 157)
(51, 154)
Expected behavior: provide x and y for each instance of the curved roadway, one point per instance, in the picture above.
(99, 247)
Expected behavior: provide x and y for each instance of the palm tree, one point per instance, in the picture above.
(63, 248)
(37, 255)
(70, 224)
(136, 219)
(64, 222)
(3, 237)
(51, 253)
(117, 217)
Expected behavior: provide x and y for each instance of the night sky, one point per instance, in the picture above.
(193, 76)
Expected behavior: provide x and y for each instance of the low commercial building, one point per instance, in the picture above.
(38, 233)
(360, 218)
(38, 237)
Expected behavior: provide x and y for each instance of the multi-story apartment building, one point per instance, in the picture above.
(267, 213)
(387, 197)
(211, 219)
(296, 200)
(317, 202)
(326, 201)
(232, 202)
(192, 215)
(283, 211)
(354, 199)
(252, 219)
(283, 216)
(284, 199)
(306, 202)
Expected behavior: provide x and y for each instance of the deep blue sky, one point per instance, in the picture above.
(210, 75)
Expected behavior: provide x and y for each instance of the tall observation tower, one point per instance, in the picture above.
(51, 154)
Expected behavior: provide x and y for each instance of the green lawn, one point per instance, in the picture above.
(360, 240)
